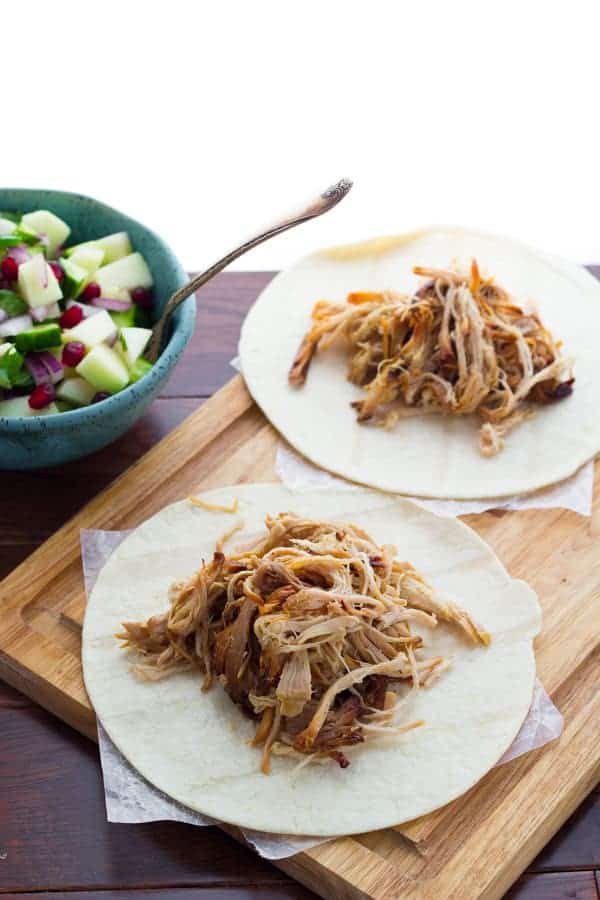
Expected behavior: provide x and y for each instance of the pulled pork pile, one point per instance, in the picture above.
(460, 345)
(308, 631)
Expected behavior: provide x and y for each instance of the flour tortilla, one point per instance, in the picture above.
(425, 455)
(193, 745)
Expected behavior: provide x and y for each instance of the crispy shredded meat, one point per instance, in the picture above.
(310, 631)
(459, 346)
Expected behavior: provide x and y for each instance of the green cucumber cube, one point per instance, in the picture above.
(32, 275)
(12, 304)
(44, 222)
(76, 391)
(129, 272)
(76, 278)
(11, 362)
(40, 337)
(132, 343)
(104, 369)
(92, 331)
(140, 368)
(115, 246)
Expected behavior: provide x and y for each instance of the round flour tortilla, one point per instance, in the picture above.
(424, 455)
(194, 745)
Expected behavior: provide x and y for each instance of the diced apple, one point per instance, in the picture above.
(77, 391)
(132, 343)
(115, 246)
(37, 283)
(104, 369)
(18, 407)
(129, 272)
(88, 257)
(92, 331)
(44, 222)
(6, 226)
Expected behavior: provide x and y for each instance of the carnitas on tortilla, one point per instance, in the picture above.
(308, 630)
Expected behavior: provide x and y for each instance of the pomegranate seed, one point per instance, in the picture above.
(142, 297)
(91, 292)
(101, 395)
(42, 396)
(73, 353)
(71, 317)
(9, 269)
(59, 272)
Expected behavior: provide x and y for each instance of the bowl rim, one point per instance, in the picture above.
(177, 342)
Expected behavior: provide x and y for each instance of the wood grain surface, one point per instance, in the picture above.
(54, 837)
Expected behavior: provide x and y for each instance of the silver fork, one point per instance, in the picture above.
(323, 203)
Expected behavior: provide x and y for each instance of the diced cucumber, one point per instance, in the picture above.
(133, 342)
(62, 406)
(92, 331)
(140, 367)
(23, 380)
(11, 362)
(29, 236)
(12, 304)
(19, 406)
(44, 222)
(104, 369)
(9, 240)
(40, 337)
(124, 319)
(129, 272)
(32, 275)
(87, 257)
(76, 278)
(76, 391)
(115, 246)
(6, 226)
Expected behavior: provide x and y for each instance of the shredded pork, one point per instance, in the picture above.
(310, 632)
(459, 346)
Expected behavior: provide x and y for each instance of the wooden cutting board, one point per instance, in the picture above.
(474, 847)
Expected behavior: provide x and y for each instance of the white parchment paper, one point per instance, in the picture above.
(575, 493)
(130, 798)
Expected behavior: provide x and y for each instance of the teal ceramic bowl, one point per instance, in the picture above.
(33, 443)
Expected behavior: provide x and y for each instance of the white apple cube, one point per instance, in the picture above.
(37, 283)
(88, 257)
(44, 222)
(133, 342)
(104, 369)
(92, 331)
(129, 272)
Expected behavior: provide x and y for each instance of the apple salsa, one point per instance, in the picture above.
(74, 320)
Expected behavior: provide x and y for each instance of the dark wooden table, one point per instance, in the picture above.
(54, 838)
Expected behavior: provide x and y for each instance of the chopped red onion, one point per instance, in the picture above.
(85, 308)
(41, 268)
(15, 326)
(41, 313)
(20, 254)
(53, 366)
(36, 368)
(111, 304)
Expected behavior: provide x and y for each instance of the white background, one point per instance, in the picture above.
(205, 120)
